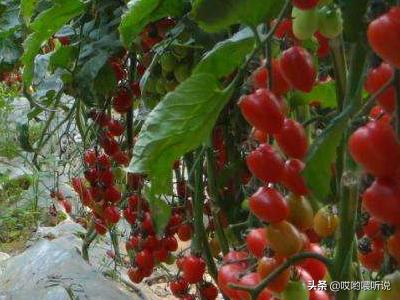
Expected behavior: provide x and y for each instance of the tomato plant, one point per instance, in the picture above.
(262, 135)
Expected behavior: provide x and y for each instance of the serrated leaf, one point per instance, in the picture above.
(324, 93)
(227, 55)
(142, 12)
(322, 154)
(217, 15)
(27, 9)
(44, 26)
(181, 122)
(160, 211)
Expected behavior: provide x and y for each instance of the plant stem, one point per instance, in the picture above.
(115, 244)
(256, 290)
(89, 238)
(215, 200)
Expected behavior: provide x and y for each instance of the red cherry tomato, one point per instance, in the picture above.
(250, 280)
(292, 178)
(262, 110)
(292, 139)
(314, 267)
(381, 200)
(269, 205)
(305, 4)
(375, 147)
(266, 265)
(378, 77)
(298, 69)
(384, 36)
(373, 258)
(265, 164)
(229, 274)
(256, 241)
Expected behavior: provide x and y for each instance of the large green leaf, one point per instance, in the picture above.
(322, 154)
(160, 210)
(27, 9)
(227, 55)
(142, 12)
(9, 21)
(181, 122)
(216, 15)
(44, 26)
(324, 93)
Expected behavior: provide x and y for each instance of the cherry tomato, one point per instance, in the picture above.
(330, 21)
(265, 164)
(256, 241)
(381, 200)
(284, 238)
(378, 77)
(229, 274)
(193, 268)
(266, 265)
(279, 85)
(292, 178)
(262, 110)
(372, 228)
(298, 69)
(314, 267)
(292, 139)
(295, 290)
(375, 147)
(269, 205)
(384, 36)
(318, 295)
(301, 213)
(305, 23)
(305, 4)
(372, 258)
(325, 222)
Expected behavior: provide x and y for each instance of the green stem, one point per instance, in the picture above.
(215, 200)
(89, 238)
(115, 244)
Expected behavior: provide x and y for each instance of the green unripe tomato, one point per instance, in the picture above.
(295, 290)
(181, 72)
(168, 62)
(368, 295)
(160, 89)
(330, 21)
(394, 293)
(305, 23)
(245, 204)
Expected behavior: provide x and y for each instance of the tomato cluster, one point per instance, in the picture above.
(64, 202)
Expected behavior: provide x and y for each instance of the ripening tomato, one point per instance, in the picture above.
(284, 238)
(269, 205)
(260, 79)
(323, 49)
(305, 4)
(266, 265)
(378, 77)
(298, 69)
(229, 274)
(284, 29)
(259, 136)
(372, 228)
(112, 215)
(319, 295)
(314, 267)
(265, 164)
(325, 222)
(393, 245)
(256, 241)
(384, 36)
(193, 268)
(375, 147)
(122, 101)
(382, 201)
(262, 110)
(251, 280)
(292, 178)
(305, 23)
(301, 213)
(295, 290)
(232, 257)
(292, 139)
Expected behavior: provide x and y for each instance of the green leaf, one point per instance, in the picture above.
(181, 122)
(44, 26)
(62, 57)
(142, 12)
(27, 9)
(23, 137)
(9, 21)
(217, 15)
(227, 55)
(324, 93)
(322, 154)
(160, 211)
(105, 82)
